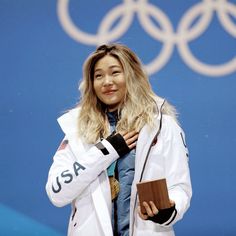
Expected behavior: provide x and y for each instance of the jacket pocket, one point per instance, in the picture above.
(148, 228)
(83, 221)
(90, 227)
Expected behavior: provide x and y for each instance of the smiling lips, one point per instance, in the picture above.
(109, 92)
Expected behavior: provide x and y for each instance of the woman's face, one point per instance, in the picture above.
(109, 82)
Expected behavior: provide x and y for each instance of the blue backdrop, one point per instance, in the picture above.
(189, 51)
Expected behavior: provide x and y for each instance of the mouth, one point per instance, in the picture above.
(109, 92)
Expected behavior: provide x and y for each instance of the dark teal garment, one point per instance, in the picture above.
(124, 173)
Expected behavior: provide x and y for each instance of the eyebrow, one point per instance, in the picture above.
(110, 67)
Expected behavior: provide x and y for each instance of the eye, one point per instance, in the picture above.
(97, 76)
(116, 72)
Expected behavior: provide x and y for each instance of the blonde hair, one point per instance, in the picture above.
(139, 106)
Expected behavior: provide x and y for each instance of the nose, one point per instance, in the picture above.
(108, 80)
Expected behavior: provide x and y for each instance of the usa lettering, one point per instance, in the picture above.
(67, 176)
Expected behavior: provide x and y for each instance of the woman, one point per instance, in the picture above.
(120, 133)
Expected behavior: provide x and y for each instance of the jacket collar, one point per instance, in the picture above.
(68, 121)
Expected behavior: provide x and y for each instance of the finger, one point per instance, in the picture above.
(142, 216)
(172, 203)
(153, 207)
(132, 139)
(148, 209)
(123, 133)
(130, 134)
(132, 145)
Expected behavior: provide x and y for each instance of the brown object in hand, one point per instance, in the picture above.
(156, 191)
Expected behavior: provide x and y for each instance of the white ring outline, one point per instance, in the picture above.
(229, 26)
(94, 39)
(188, 57)
(164, 36)
(111, 17)
(127, 9)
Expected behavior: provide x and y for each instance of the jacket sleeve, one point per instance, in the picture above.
(70, 174)
(176, 168)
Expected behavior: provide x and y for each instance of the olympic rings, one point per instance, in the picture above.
(165, 34)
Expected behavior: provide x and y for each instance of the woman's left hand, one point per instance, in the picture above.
(150, 208)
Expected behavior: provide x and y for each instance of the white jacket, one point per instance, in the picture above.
(78, 176)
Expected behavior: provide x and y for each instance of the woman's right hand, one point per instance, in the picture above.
(130, 138)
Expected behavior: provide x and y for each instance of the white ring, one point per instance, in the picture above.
(188, 57)
(225, 19)
(165, 34)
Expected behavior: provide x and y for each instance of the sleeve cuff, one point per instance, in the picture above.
(118, 143)
(164, 216)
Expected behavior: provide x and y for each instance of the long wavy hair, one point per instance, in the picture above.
(138, 108)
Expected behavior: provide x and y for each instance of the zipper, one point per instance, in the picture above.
(72, 217)
(146, 158)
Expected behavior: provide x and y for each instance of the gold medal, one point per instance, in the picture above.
(115, 187)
